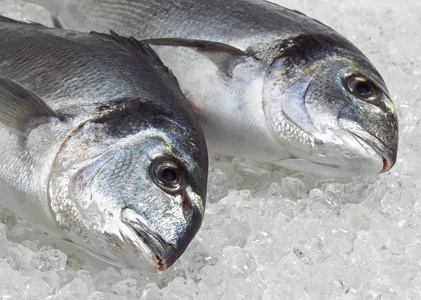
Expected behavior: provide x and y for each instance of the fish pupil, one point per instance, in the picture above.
(169, 175)
(362, 88)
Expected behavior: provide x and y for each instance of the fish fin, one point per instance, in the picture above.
(136, 47)
(20, 107)
(224, 56)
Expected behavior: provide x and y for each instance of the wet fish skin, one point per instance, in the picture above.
(99, 145)
(334, 131)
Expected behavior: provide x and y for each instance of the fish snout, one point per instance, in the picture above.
(166, 246)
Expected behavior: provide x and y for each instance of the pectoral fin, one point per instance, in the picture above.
(224, 56)
(20, 108)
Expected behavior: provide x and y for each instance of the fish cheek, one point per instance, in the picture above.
(325, 100)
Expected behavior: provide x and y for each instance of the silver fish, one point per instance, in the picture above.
(267, 83)
(98, 145)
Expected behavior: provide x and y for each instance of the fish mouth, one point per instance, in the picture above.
(387, 154)
(164, 252)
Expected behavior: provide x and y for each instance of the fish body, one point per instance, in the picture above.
(98, 145)
(267, 83)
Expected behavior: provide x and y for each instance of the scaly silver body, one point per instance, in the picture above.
(284, 100)
(98, 145)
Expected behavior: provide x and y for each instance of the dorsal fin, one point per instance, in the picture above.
(136, 47)
(224, 56)
(132, 44)
(20, 107)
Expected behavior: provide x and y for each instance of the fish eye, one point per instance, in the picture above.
(362, 88)
(167, 174)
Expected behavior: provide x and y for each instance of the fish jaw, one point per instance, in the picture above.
(128, 250)
(149, 235)
(387, 154)
(343, 153)
(159, 234)
(165, 253)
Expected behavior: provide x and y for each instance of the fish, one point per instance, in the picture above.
(98, 145)
(267, 83)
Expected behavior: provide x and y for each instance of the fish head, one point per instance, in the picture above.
(329, 107)
(134, 198)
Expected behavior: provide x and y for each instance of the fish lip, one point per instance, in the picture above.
(387, 154)
(164, 252)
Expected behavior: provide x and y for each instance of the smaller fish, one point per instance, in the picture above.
(98, 145)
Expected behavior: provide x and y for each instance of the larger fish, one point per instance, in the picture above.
(98, 145)
(281, 88)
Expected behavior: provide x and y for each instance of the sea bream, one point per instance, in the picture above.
(267, 83)
(98, 145)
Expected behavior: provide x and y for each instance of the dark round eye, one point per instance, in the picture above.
(362, 88)
(167, 174)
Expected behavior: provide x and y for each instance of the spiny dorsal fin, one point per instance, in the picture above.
(137, 47)
(132, 44)
(224, 56)
(20, 107)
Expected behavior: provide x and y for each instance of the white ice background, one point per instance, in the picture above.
(270, 233)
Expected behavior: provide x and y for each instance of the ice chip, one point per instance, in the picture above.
(178, 289)
(240, 262)
(105, 279)
(356, 216)
(48, 258)
(339, 241)
(262, 243)
(310, 251)
(20, 258)
(398, 210)
(212, 276)
(76, 289)
(36, 288)
(293, 188)
(215, 278)
(301, 256)
(52, 279)
(125, 288)
(217, 185)
(152, 292)
(251, 175)
(395, 246)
